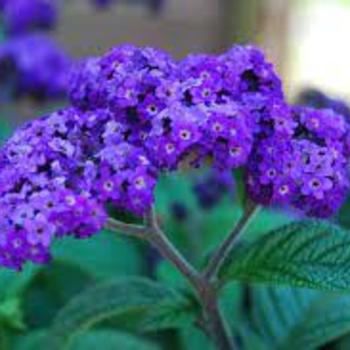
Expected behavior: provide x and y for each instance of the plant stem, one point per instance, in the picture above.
(132, 230)
(221, 254)
(213, 318)
(205, 290)
(214, 321)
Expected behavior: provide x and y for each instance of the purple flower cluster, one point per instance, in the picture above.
(301, 159)
(22, 16)
(203, 106)
(57, 174)
(34, 65)
(137, 113)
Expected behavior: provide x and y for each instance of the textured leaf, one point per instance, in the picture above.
(289, 319)
(149, 304)
(311, 254)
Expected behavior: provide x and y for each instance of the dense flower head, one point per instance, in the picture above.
(57, 175)
(136, 113)
(23, 16)
(200, 106)
(306, 165)
(34, 65)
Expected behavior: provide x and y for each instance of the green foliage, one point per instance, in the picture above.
(12, 286)
(149, 304)
(289, 319)
(51, 289)
(11, 314)
(32, 341)
(111, 340)
(192, 338)
(311, 254)
(13, 283)
(92, 340)
(101, 256)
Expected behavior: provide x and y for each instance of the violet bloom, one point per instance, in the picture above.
(57, 175)
(34, 66)
(197, 108)
(138, 113)
(306, 167)
(22, 16)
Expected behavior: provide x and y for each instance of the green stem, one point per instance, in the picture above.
(221, 254)
(206, 290)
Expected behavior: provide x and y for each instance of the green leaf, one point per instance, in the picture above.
(289, 319)
(32, 341)
(343, 343)
(12, 286)
(231, 300)
(11, 314)
(103, 256)
(150, 305)
(311, 254)
(192, 338)
(51, 289)
(13, 283)
(92, 340)
(111, 340)
(251, 340)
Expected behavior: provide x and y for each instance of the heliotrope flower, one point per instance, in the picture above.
(306, 167)
(138, 113)
(35, 66)
(57, 175)
(23, 16)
